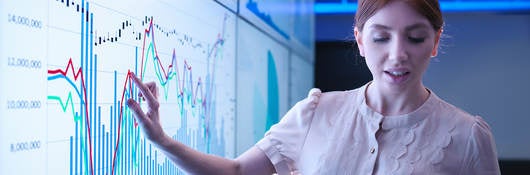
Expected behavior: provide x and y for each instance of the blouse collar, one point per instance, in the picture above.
(398, 121)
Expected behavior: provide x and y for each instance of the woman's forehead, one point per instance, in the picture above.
(397, 15)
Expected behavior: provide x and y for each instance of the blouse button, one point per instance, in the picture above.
(372, 150)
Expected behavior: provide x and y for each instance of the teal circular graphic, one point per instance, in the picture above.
(266, 114)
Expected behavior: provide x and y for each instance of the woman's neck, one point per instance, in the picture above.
(391, 101)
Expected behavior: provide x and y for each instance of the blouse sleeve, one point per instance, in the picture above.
(283, 142)
(481, 153)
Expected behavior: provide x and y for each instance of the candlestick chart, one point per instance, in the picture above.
(68, 74)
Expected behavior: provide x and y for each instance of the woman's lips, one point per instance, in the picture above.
(397, 76)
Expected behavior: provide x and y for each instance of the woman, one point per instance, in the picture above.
(392, 125)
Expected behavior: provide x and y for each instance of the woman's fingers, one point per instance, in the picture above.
(138, 112)
(146, 92)
(148, 120)
(152, 88)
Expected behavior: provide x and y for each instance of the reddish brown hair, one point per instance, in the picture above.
(428, 8)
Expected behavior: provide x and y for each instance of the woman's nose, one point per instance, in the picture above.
(398, 50)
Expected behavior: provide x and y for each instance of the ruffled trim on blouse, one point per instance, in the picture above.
(407, 155)
(283, 152)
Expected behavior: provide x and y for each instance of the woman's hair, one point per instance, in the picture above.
(428, 8)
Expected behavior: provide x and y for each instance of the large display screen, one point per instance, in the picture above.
(66, 71)
(458, 6)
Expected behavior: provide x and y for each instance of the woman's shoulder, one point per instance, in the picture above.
(459, 119)
(473, 138)
(316, 98)
(324, 104)
(333, 98)
(449, 111)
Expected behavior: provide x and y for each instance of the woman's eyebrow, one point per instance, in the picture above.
(408, 28)
(380, 26)
(417, 26)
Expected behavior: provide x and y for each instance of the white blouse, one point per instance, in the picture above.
(337, 133)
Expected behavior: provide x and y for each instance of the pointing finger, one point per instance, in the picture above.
(152, 87)
(135, 107)
(149, 97)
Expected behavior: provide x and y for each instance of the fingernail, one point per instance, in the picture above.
(129, 102)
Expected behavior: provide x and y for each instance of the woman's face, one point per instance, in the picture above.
(397, 43)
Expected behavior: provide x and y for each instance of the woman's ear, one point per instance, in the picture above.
(437, 36)
(358, 39)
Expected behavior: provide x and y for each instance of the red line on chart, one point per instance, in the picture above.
(79, 73)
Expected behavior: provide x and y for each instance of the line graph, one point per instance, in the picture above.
(67, 67)
(91, 49)
(163, 76)
(77, 75)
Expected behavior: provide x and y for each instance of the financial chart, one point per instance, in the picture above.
(67, 74)
(226, 71)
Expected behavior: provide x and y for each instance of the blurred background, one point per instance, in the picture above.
(482, 66)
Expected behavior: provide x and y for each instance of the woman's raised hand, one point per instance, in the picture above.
(149, 121)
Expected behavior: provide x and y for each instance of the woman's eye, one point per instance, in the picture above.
(380, 39)
(416, 40)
